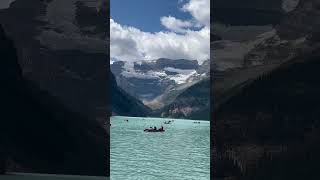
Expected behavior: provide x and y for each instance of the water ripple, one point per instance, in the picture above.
(182, 152)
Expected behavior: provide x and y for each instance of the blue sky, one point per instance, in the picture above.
(152, 29)
(145, 14)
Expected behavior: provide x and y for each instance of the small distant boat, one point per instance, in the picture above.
(153, 130)
(167, 122)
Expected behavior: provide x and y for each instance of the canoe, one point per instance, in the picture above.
(152, 130)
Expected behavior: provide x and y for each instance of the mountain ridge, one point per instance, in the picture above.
(38, 133)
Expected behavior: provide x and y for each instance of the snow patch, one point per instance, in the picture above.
(129, 74)
(180, 71)
(183, 78)
(289, 5)
(299, 41)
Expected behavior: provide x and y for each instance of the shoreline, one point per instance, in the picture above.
(159, 118)
(36, 176)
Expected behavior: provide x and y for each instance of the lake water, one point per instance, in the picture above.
(182, 152)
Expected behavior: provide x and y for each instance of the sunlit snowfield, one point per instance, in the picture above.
(181, 152)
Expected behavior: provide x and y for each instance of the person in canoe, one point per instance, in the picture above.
(154, 129)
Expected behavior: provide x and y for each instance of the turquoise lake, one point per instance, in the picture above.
(182, 152)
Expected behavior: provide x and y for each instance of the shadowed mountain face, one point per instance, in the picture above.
(247, 12)
(272, 125)
(38, 133)
(124, 104)
(192, 103)
(239, 61)
(61, 47)
(266, 94)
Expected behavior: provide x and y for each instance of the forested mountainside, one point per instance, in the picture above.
(124, 104)
(192, 103)
(38, 132)
(265, 96)
(270, 128)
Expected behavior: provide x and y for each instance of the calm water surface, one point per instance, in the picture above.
(182, 152)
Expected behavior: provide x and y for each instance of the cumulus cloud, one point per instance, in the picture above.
(200, 10)
(176, 25)
(178, 42)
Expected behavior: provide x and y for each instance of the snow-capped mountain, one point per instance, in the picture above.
(151, 81)
(247, 50)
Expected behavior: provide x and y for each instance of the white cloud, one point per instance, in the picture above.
(174, 24)
(179, 42)
(200, 10)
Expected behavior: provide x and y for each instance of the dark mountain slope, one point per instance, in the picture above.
(38, 133)
(247, 12)
(272, 125)
(61, 47)
(123, 104)
(193, 103)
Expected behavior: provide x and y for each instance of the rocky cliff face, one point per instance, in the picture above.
(302, 21)
(158, 83)
(146, 80)
(38, 133)
(192, 103)
(172, 88)
(62, 47)
(240, 59)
